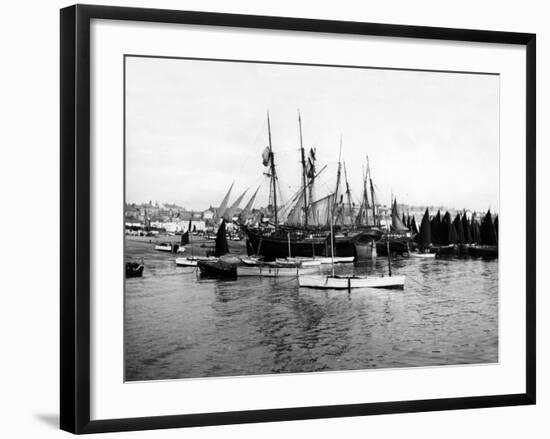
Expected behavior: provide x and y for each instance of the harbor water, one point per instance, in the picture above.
(180, 326)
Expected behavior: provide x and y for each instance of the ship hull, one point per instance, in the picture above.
(271, 247)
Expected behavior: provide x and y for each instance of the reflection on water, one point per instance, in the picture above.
(179, 326)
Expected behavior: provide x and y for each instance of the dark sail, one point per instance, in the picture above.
(488, 233)
(435, 225)
(448, 235)
(457, 223)
(476, 232)
(185, 236)
(414, 227)
(221, 241)
(496, 226)
(467, 229)
(424, 237)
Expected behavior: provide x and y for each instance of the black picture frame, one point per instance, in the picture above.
(75, 216)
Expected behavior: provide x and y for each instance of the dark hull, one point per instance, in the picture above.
(134, 270)
(217, 270)
(485, 251)
(272, 247)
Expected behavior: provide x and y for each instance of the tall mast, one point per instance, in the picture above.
(339, 172)
(304, 170)
(331, 238)
(273, 174)
(348, 193)
(365, 195)
(371, 193)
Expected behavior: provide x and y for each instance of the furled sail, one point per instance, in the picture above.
(266, 156)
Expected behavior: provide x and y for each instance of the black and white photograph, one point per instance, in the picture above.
(287, 218)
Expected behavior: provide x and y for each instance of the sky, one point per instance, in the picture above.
(193, 127)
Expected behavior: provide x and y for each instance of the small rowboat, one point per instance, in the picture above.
(319, 260)
(164, 247)
(251, 260)
(134, 269)
(169, 247)
(271, 270)
(349, 282)
(193, 260)
(421, 255)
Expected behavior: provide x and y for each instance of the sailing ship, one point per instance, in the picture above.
(304, 231)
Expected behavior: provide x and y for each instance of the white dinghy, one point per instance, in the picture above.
(164, 247)
(319, 260)
(193, 260)
(348, 282)
(422, 255)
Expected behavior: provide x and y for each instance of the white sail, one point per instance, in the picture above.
(223, 206)
(228, 215)
(296, 216)
(248, 208)
(319, 211)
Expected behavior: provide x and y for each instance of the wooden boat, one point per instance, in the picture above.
(164, 247)
(192, 261)
(251, 260)
(169, 247)
(422, 255)
(351, 282)
(274, 270)
(348, 282)
(318, 260)
(134, 269)
(483, 251)
(226, 265)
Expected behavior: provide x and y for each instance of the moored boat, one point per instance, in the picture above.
(274, 270)
(164, 247)
(134, 269)
(422, 255)
(319, 260)
(169, 247)
(351, 282)
(192, 261)
(226, 265)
